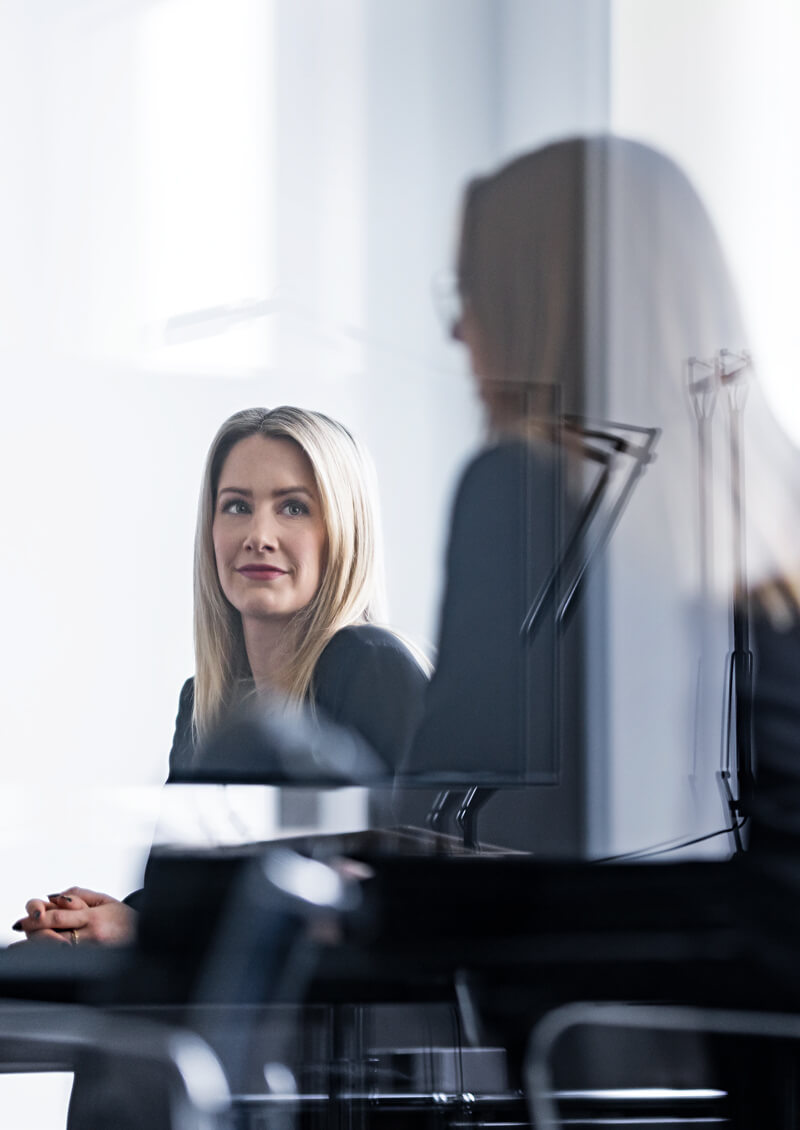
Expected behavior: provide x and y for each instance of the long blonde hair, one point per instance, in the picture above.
(515, 228)
(591, 265)
(584, 238)
(351, 590)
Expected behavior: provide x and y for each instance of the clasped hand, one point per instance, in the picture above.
(78, 915)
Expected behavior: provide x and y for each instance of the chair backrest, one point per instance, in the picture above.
(144, 1076)
(658, 1062)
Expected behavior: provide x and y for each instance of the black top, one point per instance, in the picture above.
(775, 801)
(365, 680)
(500, 709)
(490, 705)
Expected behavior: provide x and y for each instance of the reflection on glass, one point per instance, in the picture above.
(590, 277)
(594, 666)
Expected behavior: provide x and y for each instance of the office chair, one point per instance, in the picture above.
(173, 1079)
(747, 1071)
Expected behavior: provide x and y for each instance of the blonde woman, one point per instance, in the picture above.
(588, 274)
(289, 583)
(288, 588)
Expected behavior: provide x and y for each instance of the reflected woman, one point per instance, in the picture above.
(288, 591)
(588, 273)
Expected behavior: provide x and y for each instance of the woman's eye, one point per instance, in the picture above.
(294, 508)
(235, 506)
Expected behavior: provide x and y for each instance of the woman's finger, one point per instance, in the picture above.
(33, 919)
(36, 907)
(53, 919)
(69, 900)
(91, 898)
(49, 936)
(64, 919)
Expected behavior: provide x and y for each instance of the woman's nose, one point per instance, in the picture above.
(261, 533)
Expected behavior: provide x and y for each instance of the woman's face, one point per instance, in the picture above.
(270, 540)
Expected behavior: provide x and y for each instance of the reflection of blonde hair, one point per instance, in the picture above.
(582, 245)
(520, 272)
(351, 591)
(592, 265)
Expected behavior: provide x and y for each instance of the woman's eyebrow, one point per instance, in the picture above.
(280, 493)
(292, 490)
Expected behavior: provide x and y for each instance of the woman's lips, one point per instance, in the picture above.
(261, 572)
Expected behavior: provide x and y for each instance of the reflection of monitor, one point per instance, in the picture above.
(619, 460)
(494, 707)
(561, 500)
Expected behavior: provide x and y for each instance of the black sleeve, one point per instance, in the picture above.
(368, 681)
(489, 704)
(774, 803)
(134, 899)
(180, 756)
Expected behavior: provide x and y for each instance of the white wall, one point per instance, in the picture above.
(714, 84)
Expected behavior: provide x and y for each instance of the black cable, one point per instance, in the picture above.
(658, 849)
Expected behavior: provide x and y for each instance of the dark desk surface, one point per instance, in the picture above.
(688, 931)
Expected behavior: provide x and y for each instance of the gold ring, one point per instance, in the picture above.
(74, 936)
